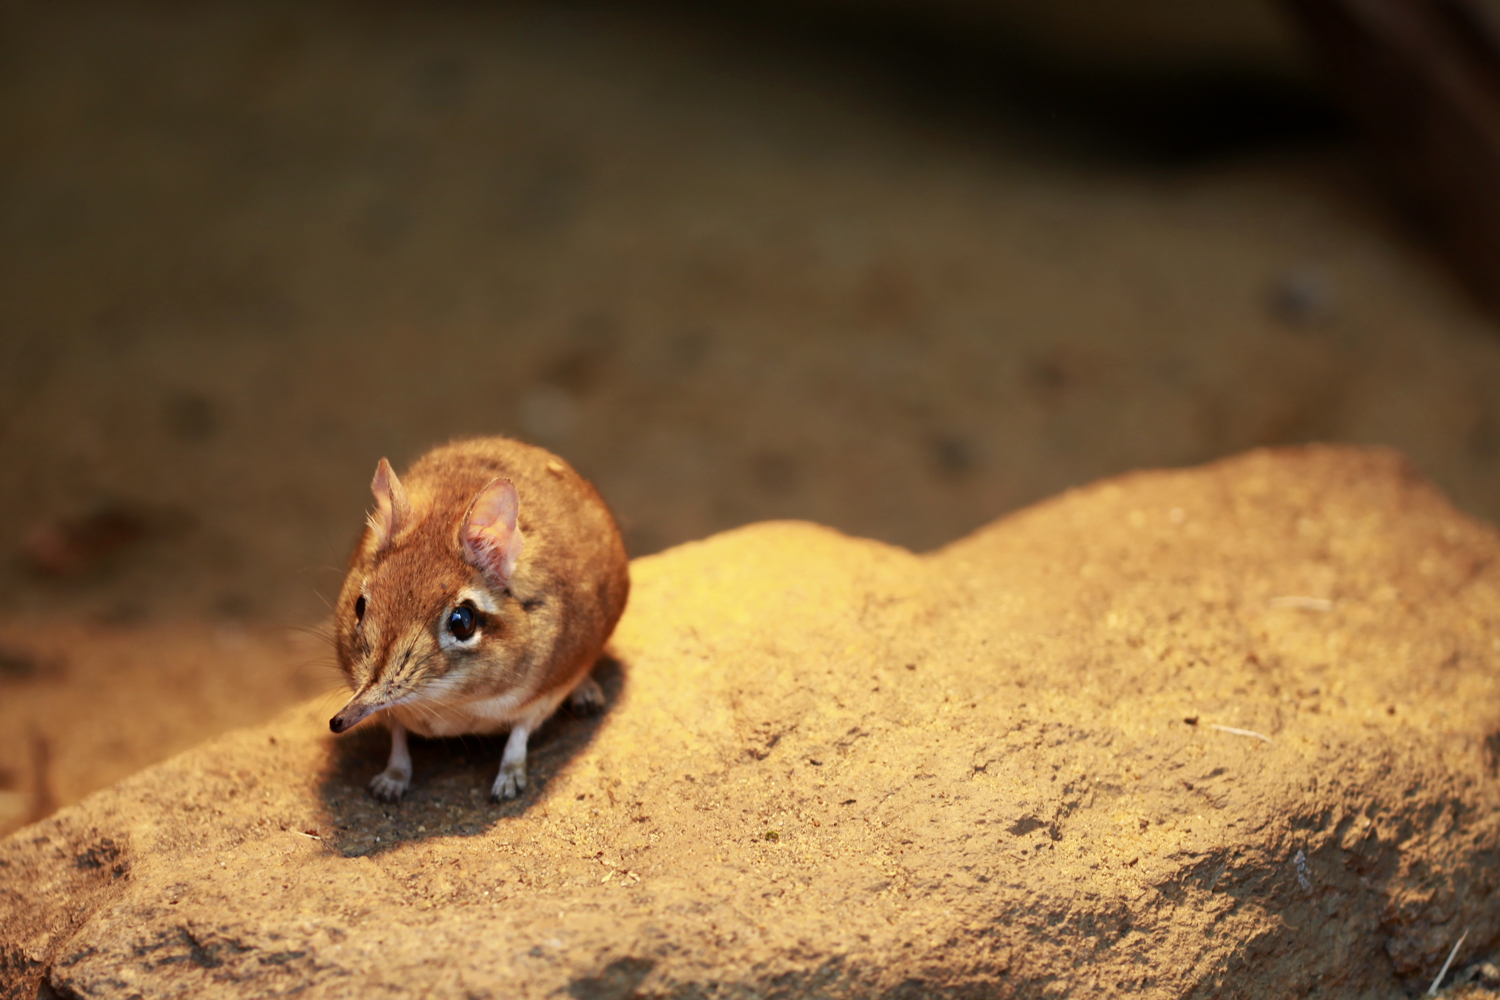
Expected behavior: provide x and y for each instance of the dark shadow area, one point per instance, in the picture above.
(450, 788)
(987, 81)
(616, 981)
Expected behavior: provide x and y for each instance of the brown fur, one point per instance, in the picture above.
(549, 625)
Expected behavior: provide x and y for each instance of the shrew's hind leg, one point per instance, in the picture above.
(512, 776)
(588, 697)
(391, 783)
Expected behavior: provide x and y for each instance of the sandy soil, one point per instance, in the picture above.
(248, 249)
(1225, 732)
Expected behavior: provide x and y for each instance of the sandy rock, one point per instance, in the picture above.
(1017, 766)
(83, 705)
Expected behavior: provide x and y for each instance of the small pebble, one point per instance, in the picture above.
(1302, 297)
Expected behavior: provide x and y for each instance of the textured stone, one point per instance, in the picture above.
(829, 767)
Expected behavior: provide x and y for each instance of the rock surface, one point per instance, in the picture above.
(84, 705)
(830, 767)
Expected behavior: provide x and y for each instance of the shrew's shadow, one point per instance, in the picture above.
(450, 785)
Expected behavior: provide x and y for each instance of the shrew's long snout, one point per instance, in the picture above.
(359, 708)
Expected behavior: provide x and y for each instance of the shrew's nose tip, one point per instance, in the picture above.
(337, 724)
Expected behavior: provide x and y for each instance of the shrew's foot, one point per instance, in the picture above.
(587, 697)
(509, 782)
(390, 784)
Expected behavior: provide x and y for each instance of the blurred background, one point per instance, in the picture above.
(898, 268)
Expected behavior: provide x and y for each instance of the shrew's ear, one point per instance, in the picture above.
(492, 543)
(392, 510)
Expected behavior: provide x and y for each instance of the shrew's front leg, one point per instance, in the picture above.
(391, 783)
(512, 776)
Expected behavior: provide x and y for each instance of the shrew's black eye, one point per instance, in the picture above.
(461, 622)
(359, 608)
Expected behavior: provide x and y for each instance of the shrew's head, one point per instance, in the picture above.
(426, 613)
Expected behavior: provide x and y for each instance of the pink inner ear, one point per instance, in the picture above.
(391, 508)
(492, 542)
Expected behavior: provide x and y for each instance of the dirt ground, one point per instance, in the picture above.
(733, 270)
(1227, 732)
